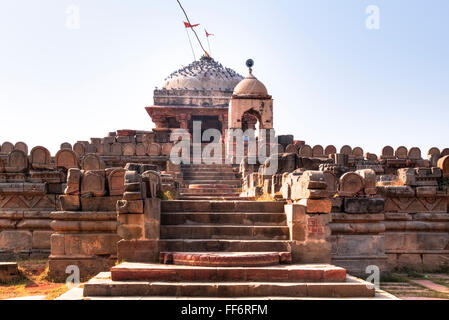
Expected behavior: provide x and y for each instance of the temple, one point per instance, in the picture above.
(301, 223)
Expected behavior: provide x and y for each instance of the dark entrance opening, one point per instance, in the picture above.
(207, 122)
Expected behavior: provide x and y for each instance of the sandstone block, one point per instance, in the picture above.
(93, 183)
(92, 162)
(317, 205)
(16, 240)
(130, 232)
(99, 203)
(364, 205)
(40, 158)
(116, 182)
(17, 161)
(443, 164)
(70, 203)
(66, 159)
(125, 206)
(41, 239)
(351, 183)
(73, 182)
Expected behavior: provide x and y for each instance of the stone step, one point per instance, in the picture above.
(351, 288)
(230, 183)
(223, 218)
(176, 273)
(210, 191)
(207, 170)
(215, 245)
(211, 197)
(238, 232)
(226, 259)
(210, 175)
(215, 198)
(222, 206)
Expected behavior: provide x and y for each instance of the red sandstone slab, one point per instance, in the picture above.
(224, 259)
(173, 273)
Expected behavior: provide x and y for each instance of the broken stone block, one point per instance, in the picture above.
(350, 184)
(331, 181)
(130, 207)
(66, 159)
(79, 148)
(93, 183)
(369, 177)
(70, 203)
(407, 176)
(443, 164)
(316, 205)
(40, 159)
(364, 205)
(92, 162)
(16, 162)
(152, 180)
(116, 182)
(73, 182)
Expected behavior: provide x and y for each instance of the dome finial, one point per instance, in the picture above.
(250, 65)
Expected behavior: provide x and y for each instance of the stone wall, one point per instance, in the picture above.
(99, 208)
(390, 211)
(29, 189)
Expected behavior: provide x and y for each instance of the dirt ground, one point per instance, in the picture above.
(418, 286)
(33, 281)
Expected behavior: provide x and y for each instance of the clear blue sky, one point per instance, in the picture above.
(333, 80)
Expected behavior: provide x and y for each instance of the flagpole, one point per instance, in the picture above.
(191, 46)
(208, 43)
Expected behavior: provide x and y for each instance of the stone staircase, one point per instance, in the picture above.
(210, 182)
(222, 249)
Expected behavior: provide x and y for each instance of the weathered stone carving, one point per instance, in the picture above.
(93, 183)
(66, 159)
(116, 182)
(92, 162)
(350, 184)
(22, 146)
(17, 161)
(40, 159)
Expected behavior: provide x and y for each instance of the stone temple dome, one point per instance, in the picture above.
(250, 87)
(205, 74)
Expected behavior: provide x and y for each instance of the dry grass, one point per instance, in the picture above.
(33, 281)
